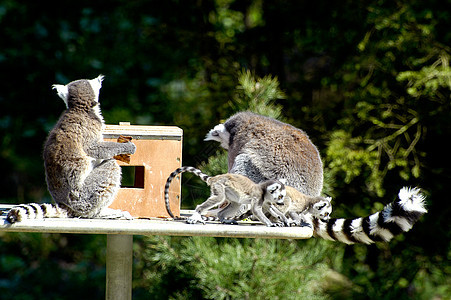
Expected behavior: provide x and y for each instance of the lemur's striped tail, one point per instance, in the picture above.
(35, 211)
(197, 172)
(396, 218)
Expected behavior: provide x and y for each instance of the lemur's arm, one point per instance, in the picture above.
(274, 211)
(105, 150)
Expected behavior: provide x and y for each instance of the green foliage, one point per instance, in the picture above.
(433, 82)
(31, 270)
(236, 269)
(258, 95)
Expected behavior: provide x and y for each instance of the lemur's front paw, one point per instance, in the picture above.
(131, 148)
(277, 224)
(292, 223)
(195, 218)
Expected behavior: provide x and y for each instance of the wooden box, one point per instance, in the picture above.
(158, 154)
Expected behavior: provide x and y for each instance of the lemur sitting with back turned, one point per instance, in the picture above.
(236, 190)
(260, 147)
(81, 174)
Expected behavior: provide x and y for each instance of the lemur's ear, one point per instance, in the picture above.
(283, 180)
(96, 84)
(62, 91)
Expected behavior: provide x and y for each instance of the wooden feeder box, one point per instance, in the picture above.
(158, 154)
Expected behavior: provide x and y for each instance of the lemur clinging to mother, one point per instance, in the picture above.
(82, 176)
(237, 190)
(296, 209)
(261, 148)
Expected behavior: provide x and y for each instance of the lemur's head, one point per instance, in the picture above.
(322, 209)
(275, 190)
(81, 93)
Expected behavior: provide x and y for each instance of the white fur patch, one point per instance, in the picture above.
(412, 199)
(62, 91)
(96, 84)
(219, 134)
(98, 113)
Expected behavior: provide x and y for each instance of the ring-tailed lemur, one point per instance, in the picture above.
(295, 205)
(82, 176)
(260, 147)
(236, 190)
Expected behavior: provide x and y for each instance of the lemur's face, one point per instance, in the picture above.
(277, 192)
(322, 209)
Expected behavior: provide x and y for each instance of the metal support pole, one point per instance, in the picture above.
(119, 260)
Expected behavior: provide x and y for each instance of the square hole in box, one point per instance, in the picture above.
(132, 177)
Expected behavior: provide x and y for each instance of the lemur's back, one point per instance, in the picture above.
(263, 148)
(64, 156)
(241, 185)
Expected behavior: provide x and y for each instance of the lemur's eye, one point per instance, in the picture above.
(280, 197)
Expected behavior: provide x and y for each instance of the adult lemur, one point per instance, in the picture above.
(81, 174)
(260, 148)
(236, 190)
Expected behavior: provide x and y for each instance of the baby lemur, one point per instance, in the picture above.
(298, 207)
(82, 176)
(236, 190)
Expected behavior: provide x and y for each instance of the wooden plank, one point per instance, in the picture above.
(144, 132)
(156, 227)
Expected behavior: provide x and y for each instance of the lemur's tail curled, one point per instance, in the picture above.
(204, 177)
(396, 218)
(35, 211)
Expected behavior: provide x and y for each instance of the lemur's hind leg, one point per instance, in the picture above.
(217, 196)
(98, 192)
(228, 214)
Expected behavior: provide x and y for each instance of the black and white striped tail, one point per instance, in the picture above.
(204, 177)
(35, 211)
(396, 218)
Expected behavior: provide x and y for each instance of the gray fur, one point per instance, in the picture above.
(262, 148)
(236, 190)
(82, 176)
